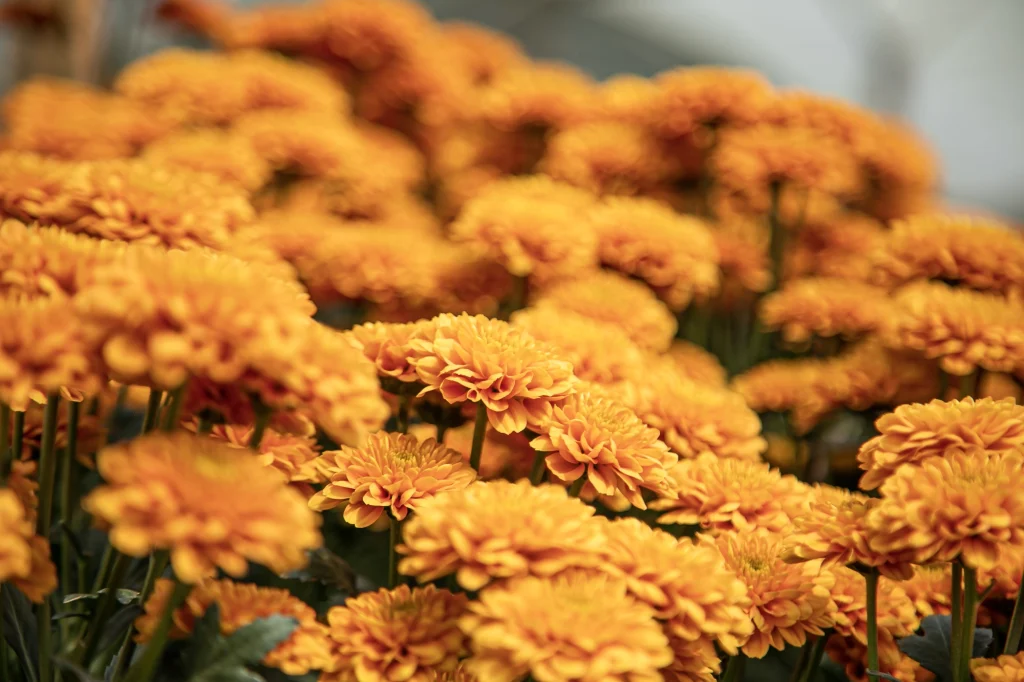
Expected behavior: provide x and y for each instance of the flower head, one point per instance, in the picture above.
(240, 604)
(228, 156)
(387, 346)
(743, 259)
(391, 472)
(696, 363)
(543, 532)
(212, 505)
(484, 52)
(538, 94)
(503, 455)
(24, 556)
(825, 307)
(293, 455)
(577, 626)
(628, 98)
(842, 246)
(1005, 668)
(403, 633)
(276, 82)
(713, 97)
(696, 661)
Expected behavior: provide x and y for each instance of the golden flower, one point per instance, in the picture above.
(743, 259)
(533, 226)
(24, 556)
(483, 52)
(466, 282)
(779, 385)
(209, 18)
(904, 163)
(291, 454)
(306, 648)
(541, 529)
(708, 96)
(537, 95)
(859, 129)
(91, 431)
(226, 155)
(603, 441)
(852, 656)
(915, 433)
(628, 98)
(1006, 668)
(399, 634)
(964, 505)
(573, 627)
(40, 189)
(696, 363)
(929, 590)
(276, 82)
(44, 348)
(724, 495)
(407, 165)
(233, 403)
(965, 330)
(696, 661)
(21, 480)
(979, 253)
(841, 246)
(788, 601)
(501, 367)
(387, 345)
(503, 455)
(674, 254)
(391, 472)
(369, 35)
(600, 352)
(460, 674)
(824, 307)
(212, 505)
(615, 299)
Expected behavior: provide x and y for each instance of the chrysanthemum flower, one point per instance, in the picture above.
(724, 495)
(276, 82)
(628, 98)
(291, 454)
(1005, 668)
(929, 590)
(407, 164)
(915, 433)
(543, 532)
(788, 601)
(842, 246)
(36, 188)
(479, 360)
(503, 455)
(605, 442)
(211, 505)
(574, 627)
(834, 529)
(391, 472)
(466, 282)
(404, 633)
(696, 363)
(533, 226)
(24, 556)
(228, 156)
(779, 385)
(91, 430)
(824, 307)
(859, 129)
(21, 480)
(614, 298)
(484, 52)
(743, 259)
(306, 648)
(904, 164)
(696, 661)
(386, 345)
(963, 329)
(714, 97)
(965, 505)
(674, 254)
(538, 94)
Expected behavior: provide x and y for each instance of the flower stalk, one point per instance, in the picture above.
(734, 669)
(6, 455)
(479, 430)
(262, 413)
(172, 412)
(538, 469)
(143, 670)
(47, 478)
(152, 410)
(956, 619)
(871, 586)
(809, 670)
(68, 487)
(1013, 634)
(395, 539)
(970, 618)
(104, 608)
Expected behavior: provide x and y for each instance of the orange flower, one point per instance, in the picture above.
(485, 53)
(543, 531)
(387, 346)
(573, 627)
(503, 456)
(965, 505)
(743, 259)
(915, 433)
(824, 307)
(903, 162)
(780, 385)
(724, 495)
(36, 188)
(276, 82)
(628, 98)
(842, 246)
(537, 94)
(788, 601)
(696, 363)
(403, 633)
(24, 556)
(502, 368)
(91, 432)
(603, 441)
(674, 254)
(614, 298)
(1000, 669)
(533, 226)
(307, 648)
(930, 589)
(211, 505)
(226, 155)
(708, 96)
(694, 661)
(391, 472)
(292, 454)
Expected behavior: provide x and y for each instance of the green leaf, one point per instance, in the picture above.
(932, 649)
(124, 596)
(226, 661)
(76, 671)
(20, 629)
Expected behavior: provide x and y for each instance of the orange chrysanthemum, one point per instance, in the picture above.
(404, 633)
(743, 259)
(824, 307)
(915, 433)
(1007, 668)
(292, 454)
(543, 532)
(306, 648)
(577, 627)
(485, 53)
(228, 156)
(965, 330)
(276, 82)
(842, 246)
(503, 455)
(724, 495)
(212, 505)
(614, 298)
(930, 590)
(714, 97)
(966, 505)
(696, 363)
(532, 225)
(857, 128)
(537, 95)
(788, 601)
(91, 436)
(605, 442)
(391, 472)
(24, 556)
(387, 346)
(628, 98)
(500, 367)
(674, 254)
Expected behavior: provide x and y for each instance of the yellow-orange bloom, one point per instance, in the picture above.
(724, 495)
(915, 433)
(577, 626)
(533, 226)
(501, 368)
(484, 52)
(628, 98)
(387, 346)
(399, 634)
(696, 363)
(930, 590)
(537, 94)
(541, 529)
(1005, 668)
(788, 601)
(276, 82)
(228, 156)
(291, 454)
(503, 456)
(306, 648)
(842, 246)
(714, 97)
(211, 505)
(824, 307)
(674, 254)
(605, 443)
(692, 661)
(965, 505)
(24, 556)
(743, 259)
(856, 128)
(391, 472)
(614, 298)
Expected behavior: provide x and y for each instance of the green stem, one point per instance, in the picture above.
(969, 384)
(152, 410)
(442, 429)
(105, 607)
(18, 435)
(5, 664)
(262, 419)
(970, 617)
(956, 619)
(479, 430)
(872, 607)
(778, 235)
(6, 455)
(1013, 634)
(734, 668)
(68, 487)
(47, 476)
(516, 299)
(539, 467)
(157, 564)
(172, 412)
(402, 416)
(122, 396)
(577, 486)
(103, 572)
(143, 670)
(813, 662)
(395, 539)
